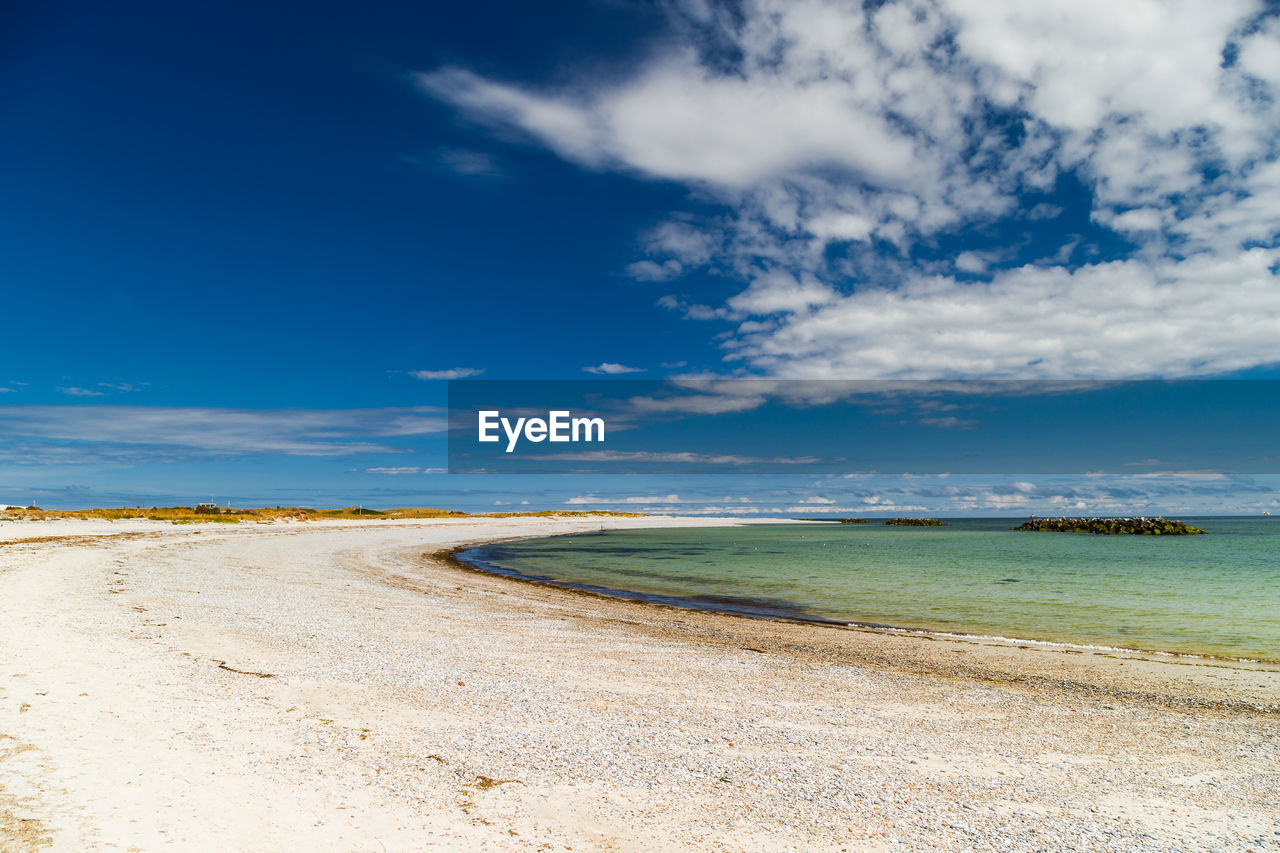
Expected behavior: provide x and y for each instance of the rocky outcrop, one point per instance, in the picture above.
(1140, 526)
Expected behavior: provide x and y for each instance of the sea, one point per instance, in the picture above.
(1213, 595)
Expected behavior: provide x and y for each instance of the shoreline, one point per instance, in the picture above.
(310, 686)
(1089, 669)
(691, 604)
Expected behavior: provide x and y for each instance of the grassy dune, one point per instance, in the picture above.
(225, 515)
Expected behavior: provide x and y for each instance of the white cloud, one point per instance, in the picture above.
(888, 495)
(452, 373)
(651, 271)
(610, 368)
(1078, 61)
(1122, 319)
(679, 122)
(780, 292)
(973, 262)
(698, 404)
(99, 389)
(1260, 53)
(682, 241)
(630, 499)
(464, 161)
(831, 127)
(95, 430)
(650, 457)
(406, 470)
(1138, 219)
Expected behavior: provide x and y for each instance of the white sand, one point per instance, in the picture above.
(133, 715)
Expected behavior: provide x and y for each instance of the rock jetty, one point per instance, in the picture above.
(1141, 526)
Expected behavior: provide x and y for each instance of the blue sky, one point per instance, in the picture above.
(244, 247)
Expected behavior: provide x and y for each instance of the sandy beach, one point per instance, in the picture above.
(335, 686)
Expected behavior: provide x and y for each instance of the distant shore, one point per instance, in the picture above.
(287, 686)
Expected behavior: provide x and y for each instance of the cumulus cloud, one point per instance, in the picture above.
(653, 271)
(840, 140)
(610, 368)
(452, 373)
(1120, 319)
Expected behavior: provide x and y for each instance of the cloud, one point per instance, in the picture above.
(743, 129)
(651, 271)
(612, 369)
(679, 457)
(685, 242)
(406, 470)
(79, 433)
(698, 404)
(1128, 318)
(631, 499)
(452, 373)
(839, 142)
(974, 262)
(100, 389)
(464, 161)
(779, 292)
(927, 399)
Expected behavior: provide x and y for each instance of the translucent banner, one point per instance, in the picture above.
(701, 426)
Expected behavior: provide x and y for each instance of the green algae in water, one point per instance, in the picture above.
(1215, 595)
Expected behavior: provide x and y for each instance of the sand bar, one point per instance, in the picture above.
(327, 686)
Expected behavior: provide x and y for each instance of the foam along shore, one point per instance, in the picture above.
(330, 685)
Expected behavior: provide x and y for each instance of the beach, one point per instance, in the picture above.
(345, 686)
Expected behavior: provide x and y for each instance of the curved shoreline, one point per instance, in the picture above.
(1121, 675)
(799, 616)
(320, 686)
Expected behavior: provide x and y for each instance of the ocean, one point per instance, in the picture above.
(1216, 594)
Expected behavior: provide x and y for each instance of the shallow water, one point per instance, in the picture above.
(1217, 594)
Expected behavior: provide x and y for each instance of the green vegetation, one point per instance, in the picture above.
(837, 520)
(206, 513)
(1112, 526)
(915, 522)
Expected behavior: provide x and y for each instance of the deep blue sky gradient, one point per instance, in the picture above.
(244, 206)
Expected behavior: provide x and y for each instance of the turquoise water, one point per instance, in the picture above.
(1217, 594)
